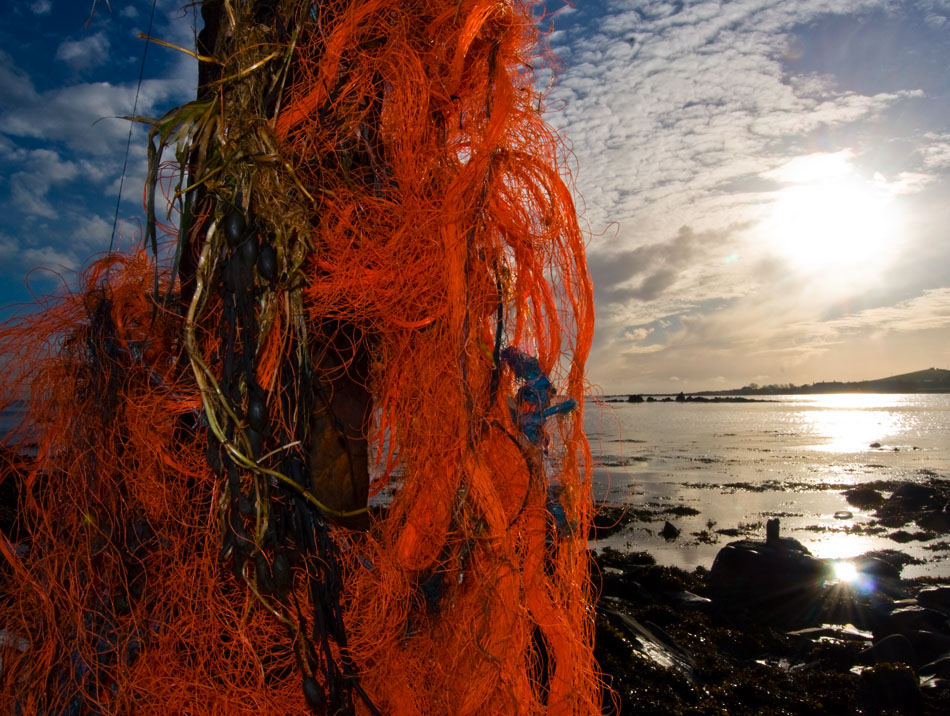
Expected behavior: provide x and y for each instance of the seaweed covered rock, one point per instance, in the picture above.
(774, 575)
(864, 498)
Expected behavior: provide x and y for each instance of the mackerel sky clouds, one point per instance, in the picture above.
(765, 181)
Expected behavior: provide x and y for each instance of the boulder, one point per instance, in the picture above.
(752, 574)
(929, 645)
(912, 496)
(669, 531)
(935, 521)
(935, 598)
(913, 619)
(879, 569)
(889, 687)
(864, 498)
(893, 648)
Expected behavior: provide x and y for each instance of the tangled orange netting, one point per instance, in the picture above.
(171, 554)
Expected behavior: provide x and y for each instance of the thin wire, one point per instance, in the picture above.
(128, 144)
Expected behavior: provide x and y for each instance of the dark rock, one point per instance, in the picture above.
(935, 598)
(831, 631)
(904, 537)
(620, 584)
(875, 445)
(878, 568)
(754, 574)
(655, 644)
(688, 600)
(911, 619)
(669, 532)
(843, 515)
(635, 399)
(892, 648)
(939, 668)
(889, 687)
(935, 521)
(911, 496)
(929, 645)
(864, 498)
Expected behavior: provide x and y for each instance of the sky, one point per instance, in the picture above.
(64, 86)
(765, 182)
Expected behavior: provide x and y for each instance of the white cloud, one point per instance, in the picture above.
(8, 248)
(50, 257)
(41, 7)
(692, 114)
(903, 183)
(814, 167)
(93, 231)
(929, 310)
(663, 106)
(84, 53)
(935, 150)
(85, 116)
(15, 85)
(639, 334)
(42, 169)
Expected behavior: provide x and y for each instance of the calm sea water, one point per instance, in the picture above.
(739, 464)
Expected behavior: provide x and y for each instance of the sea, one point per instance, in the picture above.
(718, 470)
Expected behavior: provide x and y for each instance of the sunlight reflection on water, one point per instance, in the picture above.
(741, 463)
(847, 430)
(843, 423)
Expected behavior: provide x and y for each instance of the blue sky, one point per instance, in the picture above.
(765, 181)
(62, 85)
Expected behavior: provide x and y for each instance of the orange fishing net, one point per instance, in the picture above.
(376, 273)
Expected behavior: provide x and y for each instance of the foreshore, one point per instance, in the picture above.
(770, 629)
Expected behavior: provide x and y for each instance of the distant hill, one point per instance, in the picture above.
(931, 380)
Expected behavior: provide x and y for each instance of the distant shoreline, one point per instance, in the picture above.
(930, 380)
(692, 398)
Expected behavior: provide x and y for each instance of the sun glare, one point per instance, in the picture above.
(845, 571)
(829, 218)
(850, 423)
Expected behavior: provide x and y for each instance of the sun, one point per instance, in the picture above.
(828, 218)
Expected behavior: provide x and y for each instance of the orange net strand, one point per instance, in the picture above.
(172, 555)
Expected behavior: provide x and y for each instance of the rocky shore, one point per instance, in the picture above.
(771, 629)
(768, 628)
